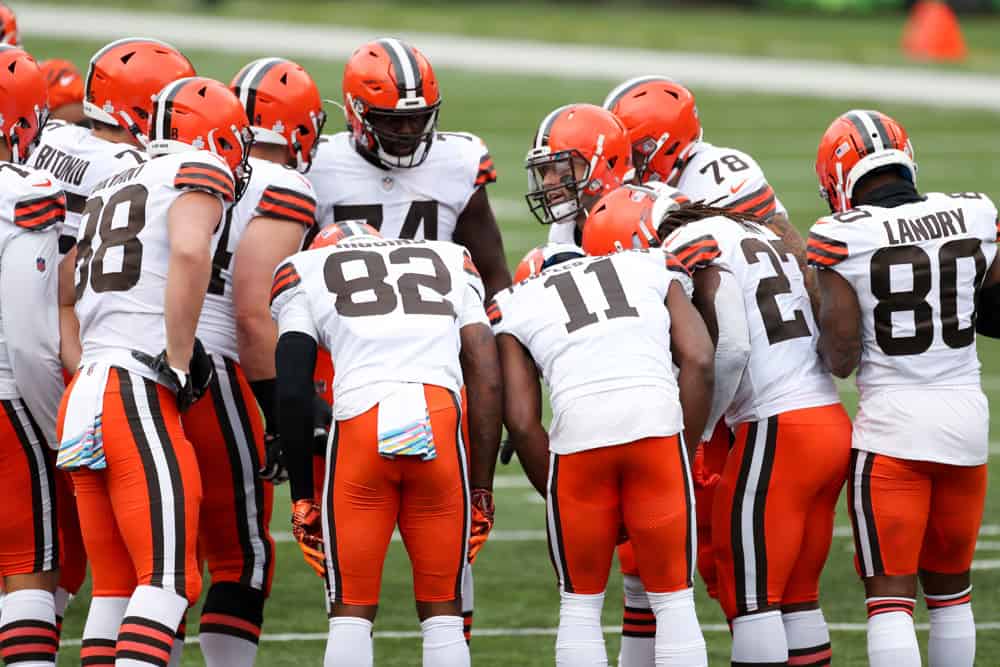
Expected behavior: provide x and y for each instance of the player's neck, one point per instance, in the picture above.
(115, 135)
(887, 193)
(270, 152)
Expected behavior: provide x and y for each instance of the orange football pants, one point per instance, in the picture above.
(645, 485)
(774, 508)
(227, 432)
(914, 515)
(368, 495)
(29, 538)
(139, 516)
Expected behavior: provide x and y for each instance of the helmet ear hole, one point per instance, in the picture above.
(224, 144)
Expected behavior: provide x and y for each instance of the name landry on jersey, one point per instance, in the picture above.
(924, 228)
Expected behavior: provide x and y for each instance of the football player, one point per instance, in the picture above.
(605, 333)
(789, 459)
(580, 152)
(144, 264)
(899, 275)
(122, 78)
(397, 454)
(395, 171)
(31, 209)
(8, 27)
(266, 226)
(65, 91)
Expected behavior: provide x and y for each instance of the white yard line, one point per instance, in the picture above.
(521, 632)
(702, 71)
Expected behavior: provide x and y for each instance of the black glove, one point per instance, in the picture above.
(322, 420)
(275, 469)
(188, 387)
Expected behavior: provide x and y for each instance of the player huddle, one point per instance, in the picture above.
(203, 296)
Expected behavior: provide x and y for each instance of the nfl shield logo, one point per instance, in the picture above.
(387, 183)
(40, 264)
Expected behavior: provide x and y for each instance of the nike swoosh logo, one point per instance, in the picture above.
(46, 184)
(737, 188)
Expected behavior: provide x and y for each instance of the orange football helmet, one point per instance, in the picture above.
(540, 258)
(198, 113)
(338, 231)
(23, 101)
(8, 26)
(628, 217)
(662, 122)
(855, 144)
(124, 76)
(284, 107)
(65, 83)
(391, 102)
(579, 153)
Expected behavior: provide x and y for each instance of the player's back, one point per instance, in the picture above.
(29, 202)
(388, 310)
(596, 326)
(422, 202)
(784, 372)
(916, 269)
(274, 191)
(78, 161)
(123, 253)
(728, 178)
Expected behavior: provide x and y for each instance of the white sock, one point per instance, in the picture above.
(468, 601)
(150, 625)
(349, 643)
(444, 642)
(953, 630)
(679, 642)
(101, 629)
(177, 653)
(32, 613)
(760, 638)
(580, 640)
(892, 640)
(638, 648)
(808, 637)
(226, 650)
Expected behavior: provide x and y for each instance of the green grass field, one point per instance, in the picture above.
(515, 584)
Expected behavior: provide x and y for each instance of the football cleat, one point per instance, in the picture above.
(540, 258)
(391, 102)
(855, 144)
(8, 26)
(124, 76)
(197, 113)
(662, 122)
(580, 152)
(23, 107)
(338, 231)
(284, 107)
(628, 217)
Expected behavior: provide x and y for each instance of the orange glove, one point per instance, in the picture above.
(700, 477)
(482, 520)
(307, 528)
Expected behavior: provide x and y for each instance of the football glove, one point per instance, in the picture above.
(307, 528)
(274, 470)
(482, 521)
(699, 475)
(188, 387)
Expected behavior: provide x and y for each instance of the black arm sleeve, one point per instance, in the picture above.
(988, 312)
(263, 391)
(296, 361)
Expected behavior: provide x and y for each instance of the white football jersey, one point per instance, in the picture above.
(123, 249)
(388, 310)
(274, 191)
(423, 202)
(32, 207)
(78, 160)
(784, 372)
(599, 332)
(728, 178)
(916, 269)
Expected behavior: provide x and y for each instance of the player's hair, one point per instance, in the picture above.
(695, 211)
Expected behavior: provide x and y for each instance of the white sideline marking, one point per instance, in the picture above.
(523, 632)
(703, 71)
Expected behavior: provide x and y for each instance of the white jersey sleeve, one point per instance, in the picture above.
(916, 269)
(422, 202)
(599, 330)
(784, 372)
(728, 178)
